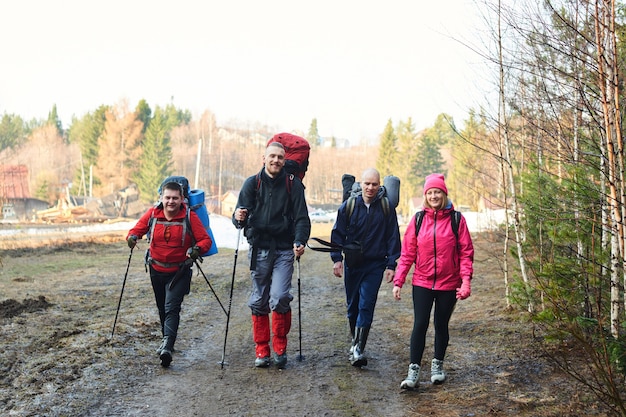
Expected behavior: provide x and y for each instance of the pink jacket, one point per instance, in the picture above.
(440, 263)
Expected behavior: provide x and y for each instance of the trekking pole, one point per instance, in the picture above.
(230, 298)
(119, 303)
(300, 357)
(211, 287)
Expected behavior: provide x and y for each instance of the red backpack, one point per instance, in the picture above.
(297, 151)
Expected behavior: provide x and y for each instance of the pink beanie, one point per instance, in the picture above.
(435, 181)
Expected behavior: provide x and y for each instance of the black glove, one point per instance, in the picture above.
(132, 241)
(194, 253)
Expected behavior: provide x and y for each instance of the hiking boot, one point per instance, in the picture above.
(262, 362)
(437, 375)
(358, 358)
(353, 340)
(166, 357)
(352, 346)
(412, 379)
(280, 360)
(165, 351)
(163, 346)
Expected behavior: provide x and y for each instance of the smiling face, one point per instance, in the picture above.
(171, 200)
(435, 198)
(274, 159)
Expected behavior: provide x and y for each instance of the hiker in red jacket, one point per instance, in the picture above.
(173, 249)
(442, 275)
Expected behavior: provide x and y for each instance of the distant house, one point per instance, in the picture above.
(14, 182)
(17, 203)
(229, 202)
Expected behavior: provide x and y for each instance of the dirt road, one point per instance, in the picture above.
(58, 302)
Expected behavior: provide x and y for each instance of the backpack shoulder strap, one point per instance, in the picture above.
(287, 210)
(186, 226)
(188, 221)
(385, 203)
(288, 184)
(350, 207)
(288, 181)
(419, 217)
(151, 224)
(456, 219)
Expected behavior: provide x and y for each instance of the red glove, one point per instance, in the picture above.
(465, 290)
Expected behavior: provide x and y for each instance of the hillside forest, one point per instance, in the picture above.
(547, 146)
(112, 147)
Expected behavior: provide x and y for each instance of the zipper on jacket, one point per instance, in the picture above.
(269, 201)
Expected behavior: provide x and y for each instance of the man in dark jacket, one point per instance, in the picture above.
(376, 229)
(273, 211)
(172, 251)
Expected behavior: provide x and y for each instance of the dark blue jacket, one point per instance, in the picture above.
(379, 235)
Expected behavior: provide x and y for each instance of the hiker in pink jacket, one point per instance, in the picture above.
(443, 254)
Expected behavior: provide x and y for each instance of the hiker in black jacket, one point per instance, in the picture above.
(272, 209)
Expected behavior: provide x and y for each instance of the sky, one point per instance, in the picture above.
(350, 64)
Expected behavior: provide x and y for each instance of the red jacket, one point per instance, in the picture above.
(440, 263)
(174, 249)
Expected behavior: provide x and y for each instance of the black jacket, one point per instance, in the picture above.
(277, 211)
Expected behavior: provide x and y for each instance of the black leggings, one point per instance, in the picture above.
(169, 300)
(423, 299)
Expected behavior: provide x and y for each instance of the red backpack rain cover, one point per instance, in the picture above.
(297, 151)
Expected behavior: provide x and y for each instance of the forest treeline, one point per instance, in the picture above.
(547, 145)
(115, 145)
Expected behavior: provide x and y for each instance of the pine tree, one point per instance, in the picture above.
(13, 131)
(388, 152)
(85, 132)
(405, 166)
(156, 158)
(144, 112)
(53, 119)
(471, 178)
(313, 136)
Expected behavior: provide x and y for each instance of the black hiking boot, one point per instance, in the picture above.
(165, 351)
(358, 357)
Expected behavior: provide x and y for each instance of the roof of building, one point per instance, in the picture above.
(14, 181)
